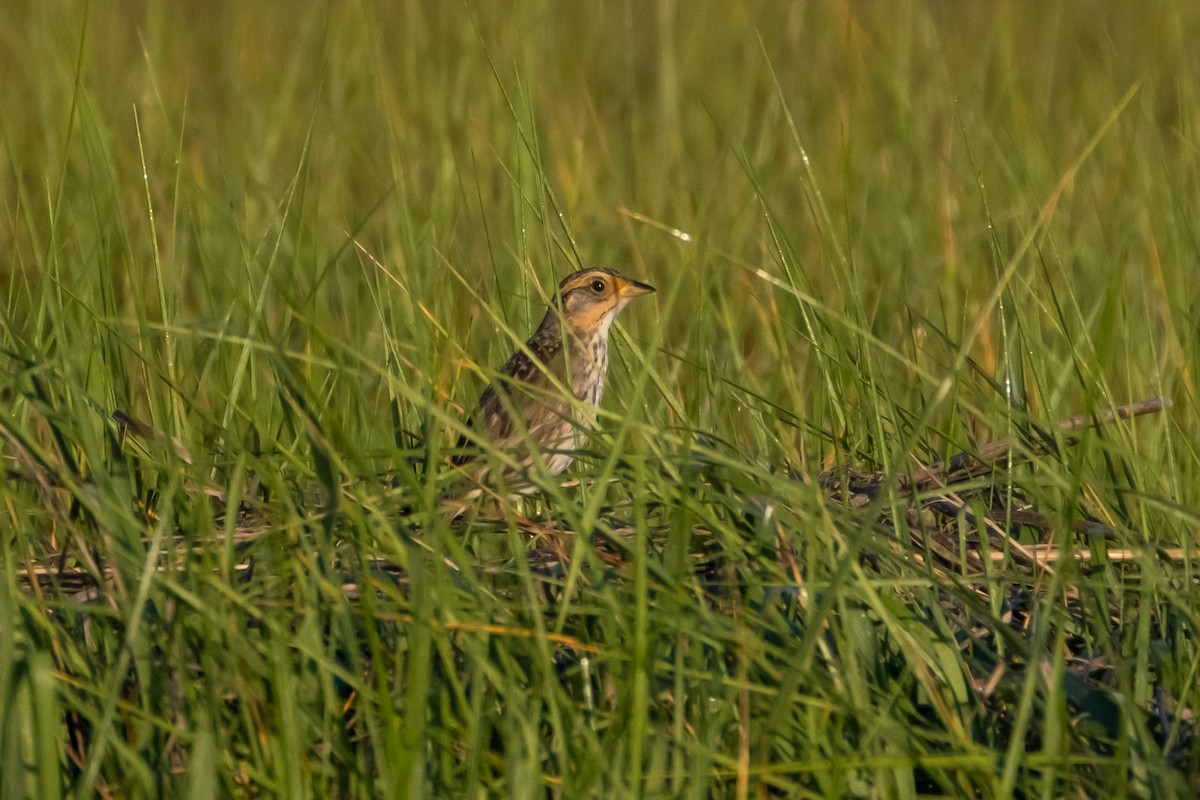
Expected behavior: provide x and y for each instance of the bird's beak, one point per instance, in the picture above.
(631, 288)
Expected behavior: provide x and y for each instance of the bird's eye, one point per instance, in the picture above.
(597, 286)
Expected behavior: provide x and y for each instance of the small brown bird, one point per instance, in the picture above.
(526, 410)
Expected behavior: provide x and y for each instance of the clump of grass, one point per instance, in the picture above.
(287, 248)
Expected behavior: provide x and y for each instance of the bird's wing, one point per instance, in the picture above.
(509, 391)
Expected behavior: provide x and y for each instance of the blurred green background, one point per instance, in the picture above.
(890, 161)
(879, 232)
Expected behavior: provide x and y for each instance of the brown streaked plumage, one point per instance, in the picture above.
(525, 410)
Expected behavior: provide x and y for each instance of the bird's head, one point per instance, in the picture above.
(591, 298)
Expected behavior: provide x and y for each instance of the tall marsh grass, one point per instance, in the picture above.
(287, 246)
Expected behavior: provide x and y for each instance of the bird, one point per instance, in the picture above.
(526, 410)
